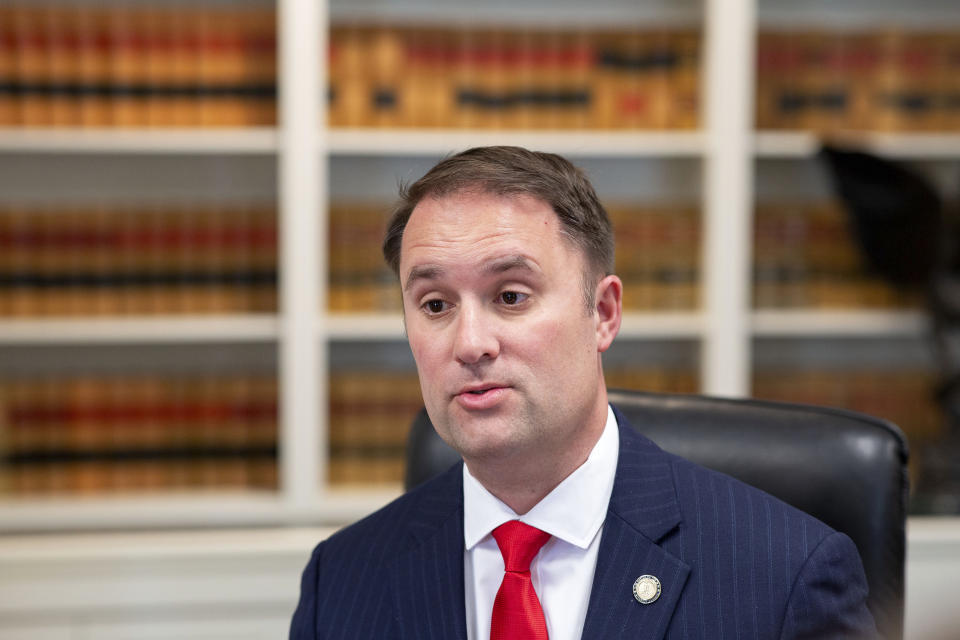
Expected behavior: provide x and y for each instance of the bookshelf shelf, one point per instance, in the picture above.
(262, 140)
(208, 509)
(606, 144)
(362, 326)
(803, 144)
(143, 511)
(611, 13)
(143, 329)
(349, 504)
(661, 325)
(806, 323)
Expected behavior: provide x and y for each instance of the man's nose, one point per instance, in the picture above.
(475, 337)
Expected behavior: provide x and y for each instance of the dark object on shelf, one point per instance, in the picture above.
(911, 237)
(896, 214)
(844, 468)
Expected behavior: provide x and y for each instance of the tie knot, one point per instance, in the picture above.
(519, 543)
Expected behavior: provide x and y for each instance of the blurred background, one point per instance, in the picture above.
(202, 363)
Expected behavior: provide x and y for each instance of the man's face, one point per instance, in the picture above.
(507, 353)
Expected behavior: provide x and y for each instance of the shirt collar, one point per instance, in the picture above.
(586, 491)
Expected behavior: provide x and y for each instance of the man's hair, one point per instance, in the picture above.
(514, 171)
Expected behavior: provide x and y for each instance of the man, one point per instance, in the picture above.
(562, 522)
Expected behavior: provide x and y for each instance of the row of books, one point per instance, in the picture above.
(169, 259)
(393, 76)
(112, 260)
(101, 435)
(370, 417)
(657, 255)
(77, 64)
(663, 379)
(104, 434)
(805, 255)
(359, 278)
(903, 395)
(889, 80)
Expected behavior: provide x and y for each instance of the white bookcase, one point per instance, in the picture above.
(290, 164)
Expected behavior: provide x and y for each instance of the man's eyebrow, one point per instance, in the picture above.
(509, 263)
(423, 272)
(498, 265)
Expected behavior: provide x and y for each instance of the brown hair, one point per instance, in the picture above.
(514, 171)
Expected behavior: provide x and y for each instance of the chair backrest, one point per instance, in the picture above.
(844, 468)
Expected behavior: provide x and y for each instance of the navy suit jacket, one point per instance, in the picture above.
(733, 562)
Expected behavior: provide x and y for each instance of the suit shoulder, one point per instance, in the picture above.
(699, 487)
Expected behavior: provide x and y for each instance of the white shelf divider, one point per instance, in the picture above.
(607, 144)
(729, 35)
(141, 329)
(302, 173)
(253, 140)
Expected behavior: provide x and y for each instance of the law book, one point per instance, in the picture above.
(422, 86)
(667, 379)
(683, 110)
(359, 278)
(9, 85)
(370, 417)
(63, 65)
(349, 82)
(32, 65)
(224, 73)
(657, 255)
(900, 101)
(259, 76)
(950, 80)
(569, 59)
(900, 395)
(93, 34)
(129, 60)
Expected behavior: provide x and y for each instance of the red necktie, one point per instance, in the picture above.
(517, 614)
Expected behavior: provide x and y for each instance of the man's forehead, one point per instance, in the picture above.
(468, 214)
(476, 222)
(474, 196)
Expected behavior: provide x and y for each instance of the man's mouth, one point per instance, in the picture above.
(480, 390)
(480, 397)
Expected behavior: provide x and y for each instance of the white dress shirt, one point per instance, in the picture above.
(562, 573)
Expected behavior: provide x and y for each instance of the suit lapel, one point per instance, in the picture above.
(427, 580)
(643, 509)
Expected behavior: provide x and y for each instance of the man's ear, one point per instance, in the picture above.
(609, 309)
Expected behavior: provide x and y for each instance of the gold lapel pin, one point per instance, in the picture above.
(646, 589)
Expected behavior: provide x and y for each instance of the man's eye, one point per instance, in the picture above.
(434, 306)
(512, 297)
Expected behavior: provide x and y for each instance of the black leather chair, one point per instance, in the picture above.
(844, 468)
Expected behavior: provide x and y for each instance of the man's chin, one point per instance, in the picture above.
(488, 448)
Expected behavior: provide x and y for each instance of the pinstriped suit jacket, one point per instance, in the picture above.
(734, 563)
